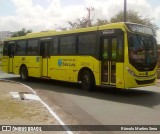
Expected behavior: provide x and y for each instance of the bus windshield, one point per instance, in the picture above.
(142, 49)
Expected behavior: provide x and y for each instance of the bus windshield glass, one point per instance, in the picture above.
(140, 29)
(142, 49)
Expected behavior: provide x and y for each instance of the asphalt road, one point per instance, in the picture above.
(106, 106)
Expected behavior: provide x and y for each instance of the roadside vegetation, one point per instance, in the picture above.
(89, 20)
(0, 57)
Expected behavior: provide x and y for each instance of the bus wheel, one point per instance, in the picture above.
(88, 82)
(24, 73)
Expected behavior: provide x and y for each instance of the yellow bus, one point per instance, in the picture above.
(122, 55)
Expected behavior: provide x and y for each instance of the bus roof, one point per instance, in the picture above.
(81, 30)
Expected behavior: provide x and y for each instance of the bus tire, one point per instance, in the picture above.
(24, 73)
(88, 81)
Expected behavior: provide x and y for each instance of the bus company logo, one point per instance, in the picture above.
(59, 62)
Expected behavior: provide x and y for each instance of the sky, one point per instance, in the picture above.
(42, 15)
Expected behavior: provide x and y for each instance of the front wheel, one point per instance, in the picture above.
(24, 73)
(88, 81)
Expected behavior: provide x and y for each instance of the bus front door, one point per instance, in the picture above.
(108, 66)
(45, 57)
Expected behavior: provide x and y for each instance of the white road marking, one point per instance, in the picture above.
(15, 95)
(48, 108)
(31, 97)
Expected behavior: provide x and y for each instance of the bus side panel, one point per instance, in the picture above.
(57, 68)
(69, 75)
(11, 65)
(16, 64)
(97, 70)
(129, 81)
(5, 64)
(58, 74)
(33, 64)
(67, 68)
(92, 64)
(51, 66)
(119, 75)
(49, 69)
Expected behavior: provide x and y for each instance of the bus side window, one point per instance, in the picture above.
(21, 47)
(44, 51)
(68, 45)
(87, 44)
(55, 47)
(11, 49)
(32, 47)
(5, 49)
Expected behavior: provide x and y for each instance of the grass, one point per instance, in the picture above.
(11, 109)
(0, 61)
(22, 109)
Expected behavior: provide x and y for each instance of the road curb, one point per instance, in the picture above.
(68, 131)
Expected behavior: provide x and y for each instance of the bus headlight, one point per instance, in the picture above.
(130, 71)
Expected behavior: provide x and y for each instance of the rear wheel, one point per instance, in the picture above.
(88, 81)
(24, 73)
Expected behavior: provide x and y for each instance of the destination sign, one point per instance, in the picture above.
(109, 31)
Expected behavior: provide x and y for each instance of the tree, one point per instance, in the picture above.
(101, 22)
(84, 21)
(22, 32)
(133, 16)
(61, 28)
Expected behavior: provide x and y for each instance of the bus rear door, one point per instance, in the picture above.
(45, 46)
